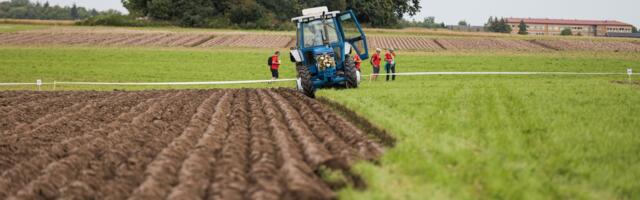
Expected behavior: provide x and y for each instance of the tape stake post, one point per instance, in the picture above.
(38, 84)
(629, 72)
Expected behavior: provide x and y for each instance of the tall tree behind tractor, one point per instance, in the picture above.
(326, 43)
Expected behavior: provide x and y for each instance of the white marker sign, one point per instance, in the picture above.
(630, 71)
(39, 82)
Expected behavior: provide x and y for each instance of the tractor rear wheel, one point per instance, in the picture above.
(351, 72)
(304, 83)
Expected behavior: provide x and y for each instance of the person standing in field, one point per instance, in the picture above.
(358, 61)
(375, 61)
(390, 67)
(275, 66)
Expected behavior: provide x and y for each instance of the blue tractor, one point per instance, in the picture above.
(326, 45)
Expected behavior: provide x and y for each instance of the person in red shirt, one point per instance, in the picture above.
(357, 60)
(375, 61)
(275, 65)
(390, 67)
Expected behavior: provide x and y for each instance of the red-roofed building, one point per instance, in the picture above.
(583, 27)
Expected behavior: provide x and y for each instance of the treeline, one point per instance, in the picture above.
(265, 14)
(497, 25)
(428, 22)
(24, 9)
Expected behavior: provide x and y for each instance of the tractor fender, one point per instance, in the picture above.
(296, 55)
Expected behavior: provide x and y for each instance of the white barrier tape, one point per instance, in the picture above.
(177, 83)
(18, 84)
(493, 73)
(287, 80)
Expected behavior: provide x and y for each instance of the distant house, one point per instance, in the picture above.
(467, 28)
(583, 27)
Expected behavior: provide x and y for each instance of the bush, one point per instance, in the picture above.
(566, 32)
(120, 20)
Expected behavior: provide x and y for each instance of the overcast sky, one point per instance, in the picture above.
(477, 12)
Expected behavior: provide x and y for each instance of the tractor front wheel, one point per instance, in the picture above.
(351, 72)
(303, 82)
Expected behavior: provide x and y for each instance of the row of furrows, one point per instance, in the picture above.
(161, 173)
(37, 110)
(281, 41)
(106, 39)
(245, 40)
(214, 144)
(403, 43)
(45, 130)
(29, 168)
(589, 44)
(69, 155)
(68, 123)
(242, 154)
(9, 106)
(297, 174)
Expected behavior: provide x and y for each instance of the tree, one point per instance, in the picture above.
(427, 22)
(25, 9)
(74, 12)
(497, 25)
(566, 32)
(522, 28)
(463, 23)
(94, 13)
(634, 29)
(377, 13)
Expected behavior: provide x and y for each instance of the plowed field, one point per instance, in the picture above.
(590, 44)
(182, 144)
(137, 38)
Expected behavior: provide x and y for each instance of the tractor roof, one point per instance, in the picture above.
(315, 13)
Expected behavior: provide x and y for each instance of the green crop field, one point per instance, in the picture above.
(459, 136)
(10, 28)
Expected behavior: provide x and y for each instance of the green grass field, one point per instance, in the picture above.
(10, 28)
(459, 137)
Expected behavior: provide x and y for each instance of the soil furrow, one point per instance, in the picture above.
(138, 151)
(314, 151)
(162, 173)
(61, 172)
(301, 182)
(33, 111)
(179, 144)
(22, 173)
(26, 144)
(230, 180)
(196, 172)
(346, 156)
(348, 132)
(264, 182)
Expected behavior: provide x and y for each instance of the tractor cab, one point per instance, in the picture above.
(326, 43)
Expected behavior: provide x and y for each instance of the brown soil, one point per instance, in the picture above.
(182, 144)
(403, 43)
(627, 82)
(125, 38)
(590, 45)
(488, 44)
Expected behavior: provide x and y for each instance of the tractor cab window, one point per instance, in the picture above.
(353, 34)
(316, 32)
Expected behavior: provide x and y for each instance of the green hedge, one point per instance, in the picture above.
(120, 20)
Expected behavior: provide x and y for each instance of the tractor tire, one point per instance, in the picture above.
(304, 83)
(350, 72)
